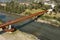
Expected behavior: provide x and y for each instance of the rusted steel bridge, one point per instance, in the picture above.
(4, 25)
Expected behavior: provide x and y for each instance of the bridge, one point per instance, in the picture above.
(7, 26)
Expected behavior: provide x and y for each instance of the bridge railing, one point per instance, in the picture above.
(21, 19)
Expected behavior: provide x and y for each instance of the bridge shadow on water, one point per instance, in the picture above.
(24, 24)
(18, 27)
(47, 29)
(32, 20)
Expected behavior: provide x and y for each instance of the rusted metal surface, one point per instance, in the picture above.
(21, 19)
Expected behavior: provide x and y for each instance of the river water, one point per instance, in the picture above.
(41, 30)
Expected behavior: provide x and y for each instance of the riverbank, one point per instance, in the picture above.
(50, 19)
(26, 12)
(9, 13)
(51, 22)
(18, 35)
(41, 30)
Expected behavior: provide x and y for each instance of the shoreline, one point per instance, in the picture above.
(38, 20)
(48, 22)
(8, 13)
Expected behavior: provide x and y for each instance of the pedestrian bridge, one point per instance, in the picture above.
(7, 26)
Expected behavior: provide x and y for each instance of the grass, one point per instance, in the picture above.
(0, 22)
(46, 16)
(33, 10)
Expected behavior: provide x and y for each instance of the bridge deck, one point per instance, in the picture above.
(21, 19)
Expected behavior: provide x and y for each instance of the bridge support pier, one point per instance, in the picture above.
(36, 18)
(8, 29)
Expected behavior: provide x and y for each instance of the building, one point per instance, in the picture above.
(2, 4)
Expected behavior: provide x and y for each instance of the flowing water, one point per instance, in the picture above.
(41, 30)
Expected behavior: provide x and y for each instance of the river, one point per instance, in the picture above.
(42, 30)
